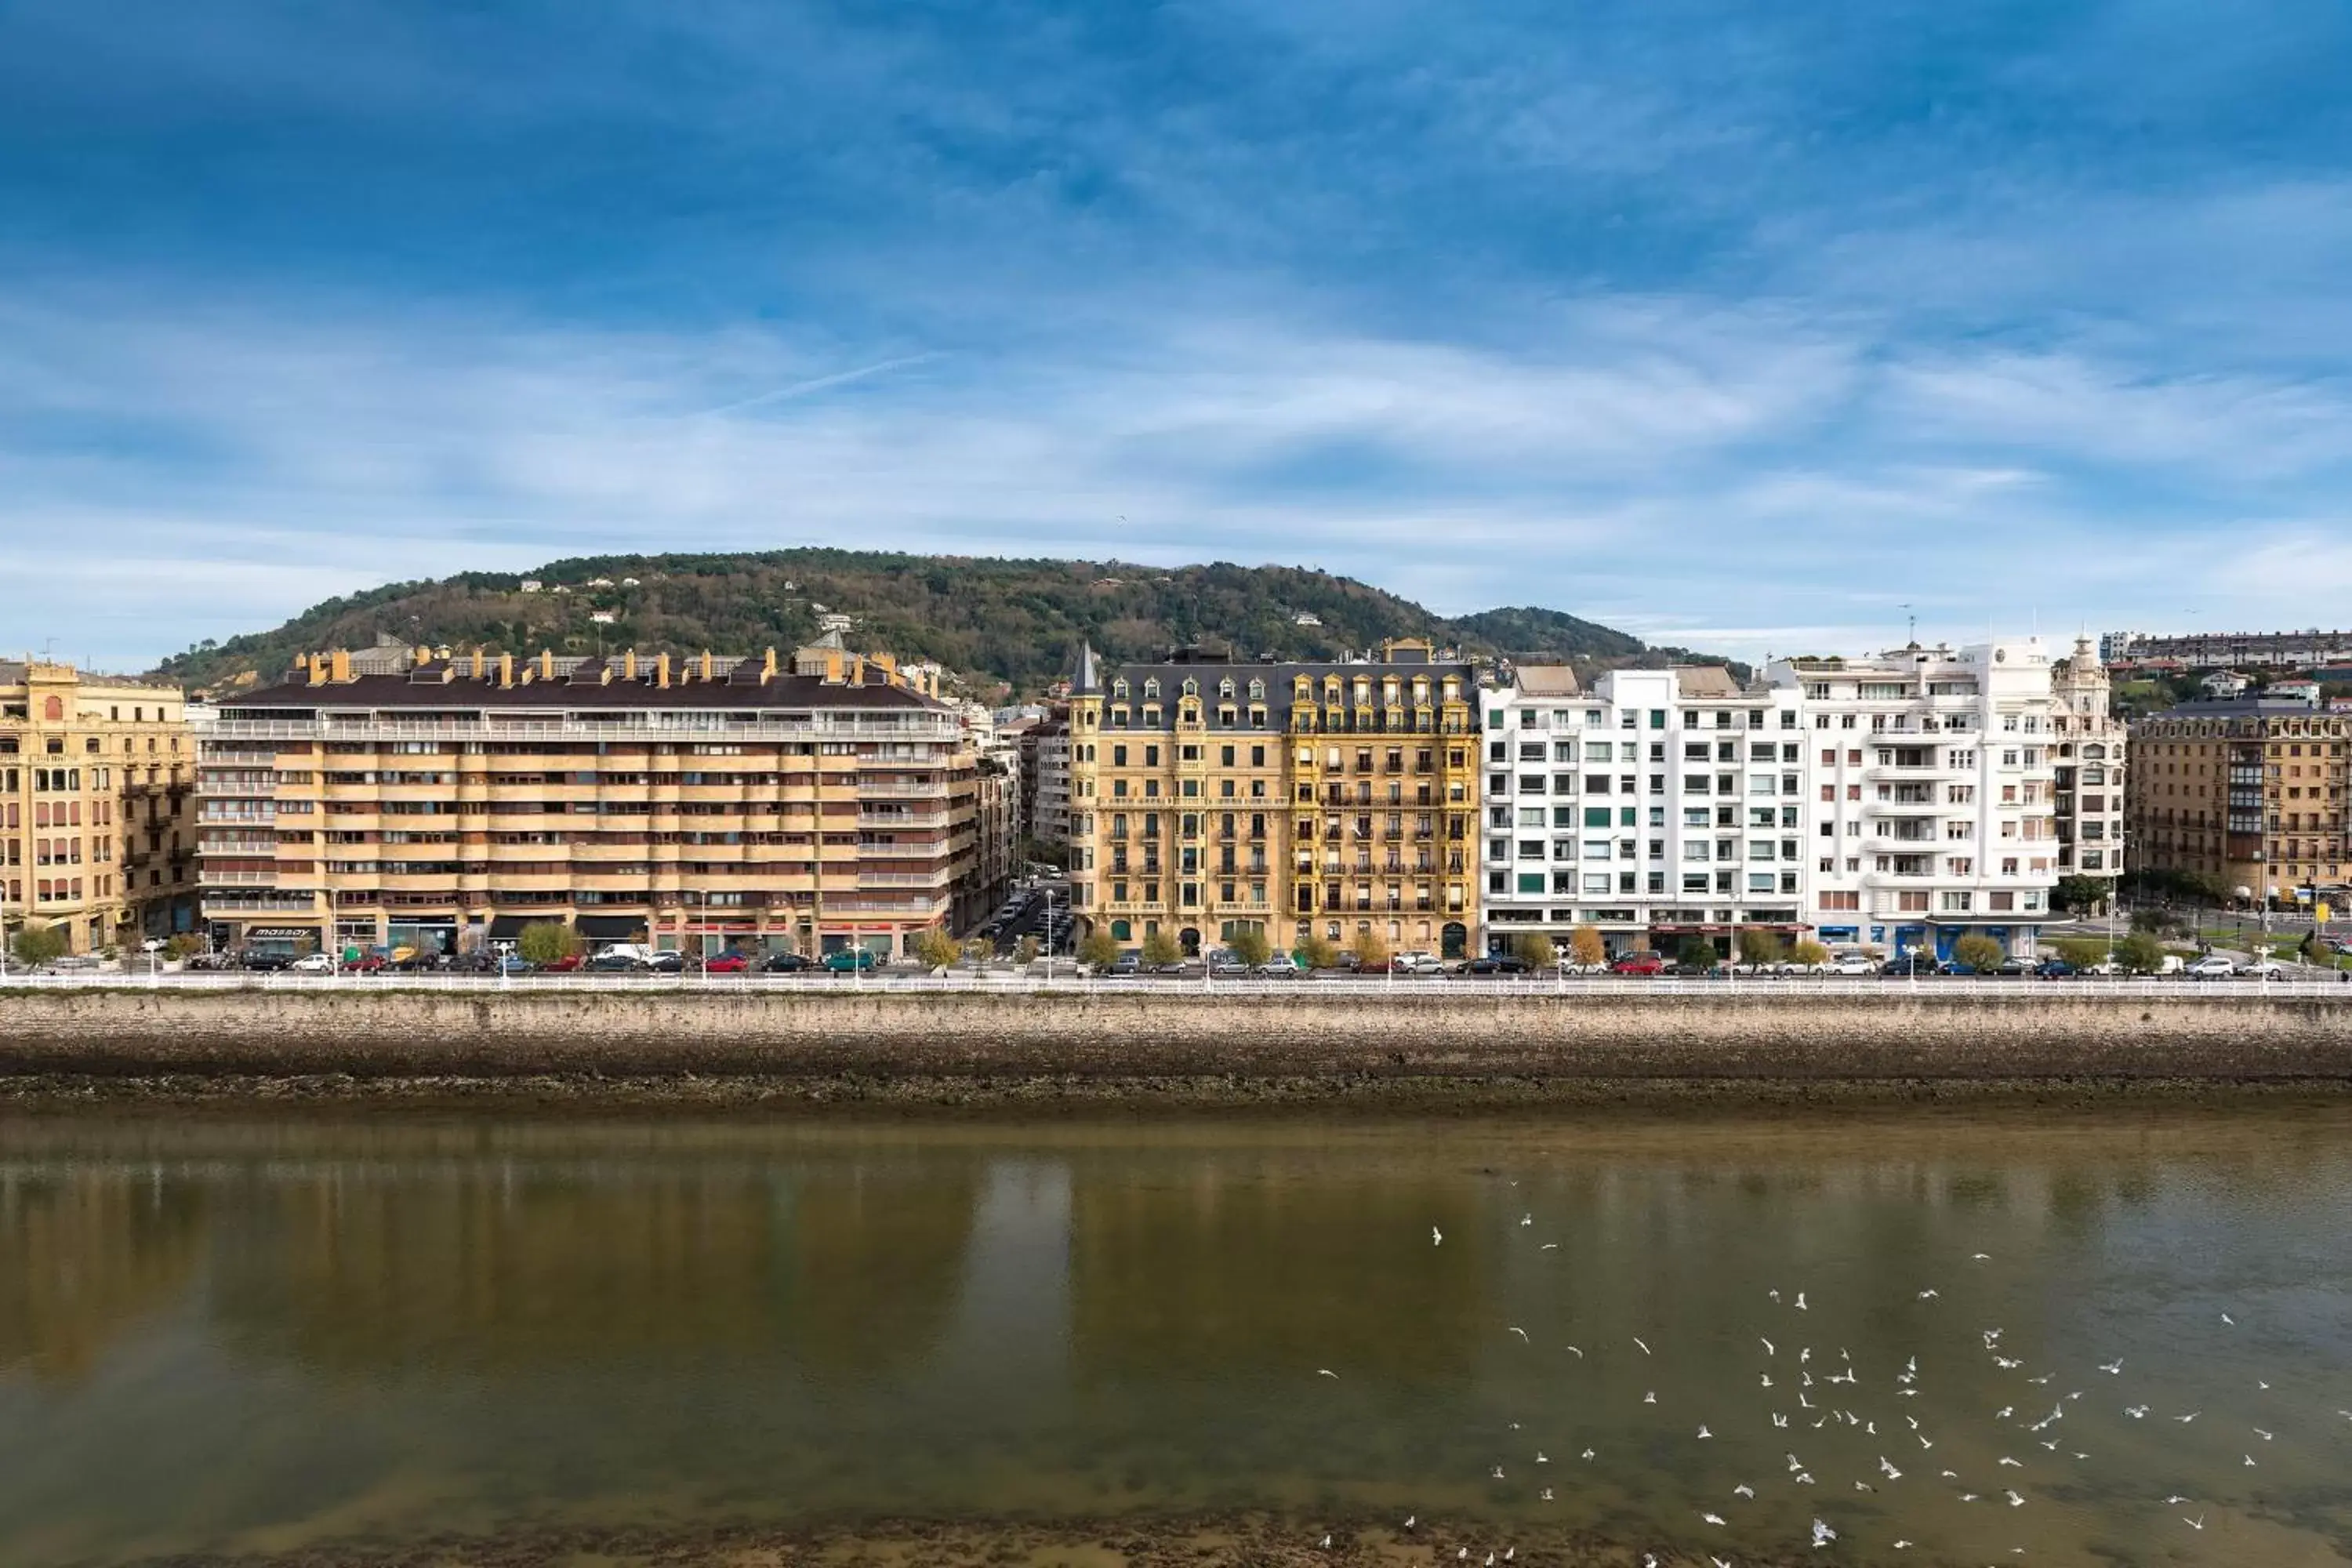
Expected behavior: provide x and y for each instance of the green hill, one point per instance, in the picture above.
(1017, 622)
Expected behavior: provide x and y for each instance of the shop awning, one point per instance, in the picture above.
(611, 928)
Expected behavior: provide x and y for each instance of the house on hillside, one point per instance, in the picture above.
(530, 584)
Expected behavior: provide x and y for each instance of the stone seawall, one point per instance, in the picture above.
(2009, 1035)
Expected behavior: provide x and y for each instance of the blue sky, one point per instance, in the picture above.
(1739, 325)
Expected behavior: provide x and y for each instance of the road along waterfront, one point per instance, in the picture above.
(1574, 1338)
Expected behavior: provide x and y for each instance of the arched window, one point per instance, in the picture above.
(1225, 687)
(1152, 689)
(1192, 686)
(1118, 688)
(53, 708)
(1257, 691)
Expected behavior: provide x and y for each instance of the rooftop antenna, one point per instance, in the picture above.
(1912, 617)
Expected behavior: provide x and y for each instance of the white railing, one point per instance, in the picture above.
(1791, 989)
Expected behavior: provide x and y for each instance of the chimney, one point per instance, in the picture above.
(629, 665)
(661, 671)
(547, 664)
(317, 669)
(604, 673)
(340, 665)
(477, 664)
(424, 655)
(505, 671)
(768, 667)
(856, 670)
(833, 667)
(706, 664)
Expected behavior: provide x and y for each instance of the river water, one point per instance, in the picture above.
(344, 1336)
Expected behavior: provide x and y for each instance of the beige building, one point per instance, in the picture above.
(2249, 793)
(697, 803)
(2091, 753)
(1208, 795)
(97, 773)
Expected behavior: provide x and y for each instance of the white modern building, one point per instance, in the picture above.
(1663, 804)
(1886, 804)
(1932, 773)
(1053, 791)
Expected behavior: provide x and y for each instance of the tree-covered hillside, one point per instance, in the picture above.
(1017, 622)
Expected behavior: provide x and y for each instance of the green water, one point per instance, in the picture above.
(270, 1335)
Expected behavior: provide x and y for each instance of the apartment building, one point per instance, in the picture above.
(2308, 650)
(1933, 781)
(2250, 793)
(97, 776)
(2090, 777)
(1661, 805)
(697, 803)
(1209, 794)
(1048, 748)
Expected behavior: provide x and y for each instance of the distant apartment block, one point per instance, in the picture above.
(2249, 792)
(2307, 650)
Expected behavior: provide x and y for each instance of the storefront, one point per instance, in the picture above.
(277, 939)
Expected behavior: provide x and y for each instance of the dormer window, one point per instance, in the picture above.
(1118, 688)
(1225, 687)
(1192, 686)
(1257, 691)
(1152, 689)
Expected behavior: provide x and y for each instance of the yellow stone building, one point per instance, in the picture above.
(2252, 792)
(417, 799)
(1312, 799)
(97, 831)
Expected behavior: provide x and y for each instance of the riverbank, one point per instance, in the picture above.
(816, 1045)
(1226, 1540)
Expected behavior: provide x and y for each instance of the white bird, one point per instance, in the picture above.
(1980, 1257)
(1586, 1455)
(1778, 1419)
(1436, 1236)
(1651, 1397)
(1768, 1345)
(1774, 1294)
(1527, 1220)
(2013, 1464)
(2262, 1434)
(1548, 1246)
(1927, 1294)
(1547, 1494)
(1822, 1533)
(2136, 1412)
(2004, 1411)
(1889, 1471)
(2192, 1416)
(2014, 1501)
(2228, 1319)
(1705, 1433)
(1541, 1457)
(1901, 1545)
(2260, 1383)
(1408, 1521)
(1325, 1372)
(1800, 1301)
(2176, 1497)
(1968, 1497)
(1768, 1380)
(1579, 1354)
(1518, 1330)
(1712, 1517)
(1637, 1340)
(1743, 1489)
(2250, 1462)
(1498, 1472)
(1325, 1544)
(1718, 1562)
(2197, 1524)
(2112, 1368)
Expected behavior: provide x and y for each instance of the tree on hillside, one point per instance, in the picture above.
(545, 942)
(1535, 950)
(1979, 951)
(1585, 945)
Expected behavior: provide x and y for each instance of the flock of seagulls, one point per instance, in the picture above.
(1824, 1389)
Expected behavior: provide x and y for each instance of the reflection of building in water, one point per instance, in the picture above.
(855, 1267)
(1245, 1273)
(88, 1256)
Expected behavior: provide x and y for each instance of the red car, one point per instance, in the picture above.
(564, 965)
(1639, 964)
(728, 963)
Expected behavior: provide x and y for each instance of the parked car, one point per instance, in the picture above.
(563, 966)
(2212, 967)
(1225, 966)
(2054, 969)
(1910, 965)
(1420, 964)
(1638, 963)
(2263, 969)
(1495, 963)
(728, 963)
(850, 961)
(1125, 967)
(267, 962)
(788, 963)
(613, 964)
(669, 962)
(514, 964)
(1852, 964)
(1281, 966)
(313, 963)
(2012, 968)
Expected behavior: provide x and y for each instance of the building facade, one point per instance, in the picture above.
(695, 803)
(1048, 748)
(2250, 794)
(2091, 778)
(97, 818)
(1933, 782)
(1302, 800)
(1661, 805)
(2310, 649)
